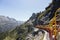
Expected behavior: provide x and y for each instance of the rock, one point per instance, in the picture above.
(38, 35)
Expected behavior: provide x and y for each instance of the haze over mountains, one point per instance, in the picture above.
(7, 24)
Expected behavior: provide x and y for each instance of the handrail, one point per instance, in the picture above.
(52, 25)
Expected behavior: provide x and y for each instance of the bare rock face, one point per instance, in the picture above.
(38, 35)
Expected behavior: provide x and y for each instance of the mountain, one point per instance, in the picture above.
(7, 24)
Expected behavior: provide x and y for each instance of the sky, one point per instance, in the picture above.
(22, 10)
